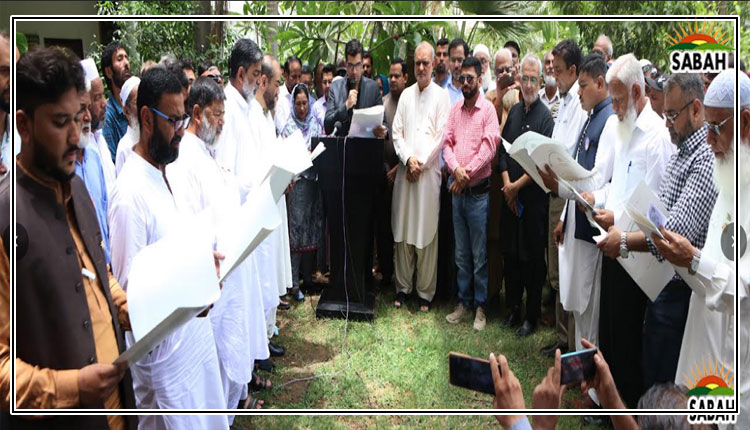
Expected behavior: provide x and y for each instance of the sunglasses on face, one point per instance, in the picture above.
(178, 123)
(466, 78)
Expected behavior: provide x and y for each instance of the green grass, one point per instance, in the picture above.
(400, 361)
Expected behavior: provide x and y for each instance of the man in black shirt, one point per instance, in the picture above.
(525, 215)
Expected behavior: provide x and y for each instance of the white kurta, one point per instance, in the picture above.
(570, 119)
(263, 131)
(417, 132)
(199, 183)
(108, 167)
(580, 261)
(182, 372)
(125, 148)
(710, 329)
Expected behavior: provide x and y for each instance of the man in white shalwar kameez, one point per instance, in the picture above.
(710, 329)
(580, 259)
(240, 150)
(181, 372)
(263, 132)
(98, 115)
(198, 184)
(417, 136)
(128, 95)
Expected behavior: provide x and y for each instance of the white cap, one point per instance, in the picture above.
(89, 69)
(720, 93)
(481, 48)
(644, 62)
(127, 88)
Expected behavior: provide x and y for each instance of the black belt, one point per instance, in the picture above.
(481, 187)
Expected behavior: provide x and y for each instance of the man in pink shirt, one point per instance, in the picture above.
(471, 135)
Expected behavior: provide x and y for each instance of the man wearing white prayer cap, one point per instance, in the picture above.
(483, 55)
(710, 272)
(98, 114)
(128, 95)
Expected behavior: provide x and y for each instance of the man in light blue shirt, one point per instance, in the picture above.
(458, 50)
(89, 169)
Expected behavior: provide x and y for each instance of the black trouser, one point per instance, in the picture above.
(524, 275)
(663, 328)
(622, 307)
(447, 285)
(384, 232)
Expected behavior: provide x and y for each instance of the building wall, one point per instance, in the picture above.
(86, 31)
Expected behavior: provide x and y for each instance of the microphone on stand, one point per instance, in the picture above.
(336, 128)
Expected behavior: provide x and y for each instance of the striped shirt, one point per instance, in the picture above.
(470, 139)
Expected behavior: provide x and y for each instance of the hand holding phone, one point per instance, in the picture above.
(471, 373)
(505, 81)
(577, 366)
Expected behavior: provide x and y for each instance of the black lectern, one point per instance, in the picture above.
(350, 179)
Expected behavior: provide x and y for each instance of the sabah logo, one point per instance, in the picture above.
(701, 49)
(711, 388)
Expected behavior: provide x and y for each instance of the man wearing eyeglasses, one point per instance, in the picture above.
(354, 92)
(143, 210)
(525, 214)
(710, 271)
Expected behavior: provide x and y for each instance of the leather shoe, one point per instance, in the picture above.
(526, 329)
(283, 305)
(266, 365)
(549, 350)
(275, 350)
(514, 319)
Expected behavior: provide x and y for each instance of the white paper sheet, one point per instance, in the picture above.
(365, 120)
(577, 196)
(289, 158)
(317, 151)
(645, 208)
(651, 275)
(176, 272)
(245, 228)
(532, 150)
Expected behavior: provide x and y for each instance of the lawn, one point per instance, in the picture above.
(400, 361)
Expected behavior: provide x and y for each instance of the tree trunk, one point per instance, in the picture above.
(202, 28)
(217, 29)
(273, 9)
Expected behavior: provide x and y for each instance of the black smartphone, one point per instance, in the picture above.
(506, 80)
(577, 366)
(471, 372)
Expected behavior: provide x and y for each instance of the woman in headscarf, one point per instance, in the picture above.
(384, 86)
(304, 201)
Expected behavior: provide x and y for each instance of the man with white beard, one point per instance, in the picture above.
(98, 115)
(199, 184)
(642, 151)
(688, 195)
(240, 149)
(182, 371)
(128, 95)
(710, 272)
(482, 52)
(549, 95)
(89, 169)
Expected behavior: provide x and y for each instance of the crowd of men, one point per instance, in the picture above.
(100, 178)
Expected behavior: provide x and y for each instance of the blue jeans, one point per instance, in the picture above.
(470, 231)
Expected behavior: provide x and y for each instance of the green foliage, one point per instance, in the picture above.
(21, 42)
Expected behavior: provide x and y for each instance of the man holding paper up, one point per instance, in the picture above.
(580, 260)
(417, 129)
(710, 272)
(688, 193)
(70, 313)
(198, 184)
(356, 91)
(525, 215)
(182, 371)
(642, 150)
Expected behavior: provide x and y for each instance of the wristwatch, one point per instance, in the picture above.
(695, 262)
(623, 245)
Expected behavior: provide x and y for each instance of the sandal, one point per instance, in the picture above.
(424, 305)
(260, 383)
(400, 299)
(250, 403)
